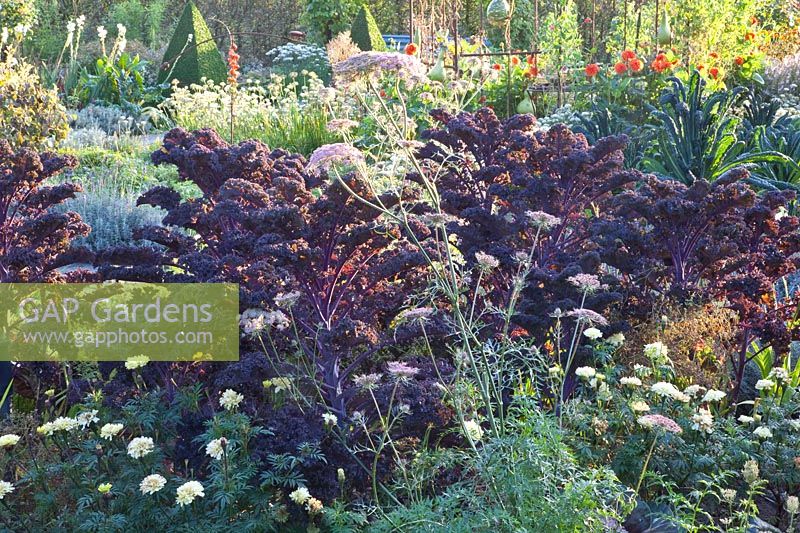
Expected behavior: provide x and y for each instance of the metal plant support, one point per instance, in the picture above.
(507, 52)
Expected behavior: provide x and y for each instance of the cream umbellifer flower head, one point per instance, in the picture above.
(329, 419)
(188, 492)
(140, 446)
(109, 431)
(6, 441)
(585, 372)
(152, 484)
(230, 399)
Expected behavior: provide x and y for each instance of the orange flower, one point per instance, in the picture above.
(497, 66)
(620, 68)
(627, 55)
(529, 59)
(753, 21)
(713, 72)
(739, 60)
(592, 69)
(714, 55)
(700, 66)
(411, 49)
(514, 60)
(233, 64)
(636, 64)
(749, 36)
(661, 63)
(531, 72)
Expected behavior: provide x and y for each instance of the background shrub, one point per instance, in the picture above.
(30, 115)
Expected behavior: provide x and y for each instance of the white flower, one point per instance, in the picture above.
(401, 370)
(639, 407)
(585, 372)
(71, 26)
(152, 484)
(750, 471)
(102, 32)
(80, 21)
(764, 384)
(121, 31)
(616, 339)
(473, 429)
(779, 374)
(300, 495)
(792, 505)
(6, 441)
(108, 431)
(713, 395)
(140, 446)
(4, 36)
(187, 492)
(61, 423)
(744, 419)
(692, 390)
(21, 29)
(657, 352)
(216, 448)
(230, 399)
(703, 420)
(762, 432)
(630, 381)
(287, 300)
(486, 262)
(329, 419)
(592, 333)
(5, 488)
(662, 388)
(87, 418)
(136, 362)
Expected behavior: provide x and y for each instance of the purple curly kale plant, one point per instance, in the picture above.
(714, 241)
(34, 240)
(322, 272)
(531, 200)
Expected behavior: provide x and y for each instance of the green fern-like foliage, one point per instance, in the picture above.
(365, 32)
(189, 62)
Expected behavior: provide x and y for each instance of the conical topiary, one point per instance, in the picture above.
(365, 33)
(189, 62)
